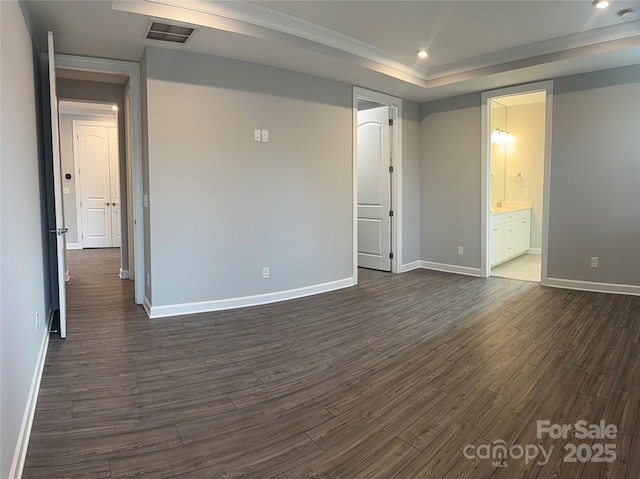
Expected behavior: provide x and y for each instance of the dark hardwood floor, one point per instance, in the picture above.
(394, 378)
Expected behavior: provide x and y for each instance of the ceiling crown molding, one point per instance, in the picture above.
(254, 20)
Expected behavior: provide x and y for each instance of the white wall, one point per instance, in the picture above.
(595, 177)
(23, 257)
(223, 206)
(525, 156)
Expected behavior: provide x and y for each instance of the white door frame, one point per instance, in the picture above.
(133, 161)
(396, 177)
(485, 197)
(75, 124)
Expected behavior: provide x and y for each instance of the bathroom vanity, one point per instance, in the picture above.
(510, 233)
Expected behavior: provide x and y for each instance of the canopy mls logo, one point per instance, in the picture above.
(500, 454)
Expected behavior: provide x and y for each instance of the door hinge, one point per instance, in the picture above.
(390, 121)
(391, 169)
(390, 255)
(390, 212)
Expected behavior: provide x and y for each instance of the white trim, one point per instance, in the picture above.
(147, 305)
(132, 69)
(20, 453)
(246, 301)
(262, 22)
(534, 251)
(410, 266)
(595, 287)
(124, 273)
(74, 246)
(102, 109)
(485, 199)
(396, 139)
(451, 268)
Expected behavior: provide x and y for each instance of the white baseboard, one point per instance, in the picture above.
(20, 453)
(451, 268)
(410, 266)
(147, 305)
(124, 273)
(534, 251)
(74, 246)
(245, 301)
(595, 287)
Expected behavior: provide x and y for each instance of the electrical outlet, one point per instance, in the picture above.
(37, 322)
(525, 192)
(265, 272)
(594, 261)
(257, 135)
(265, 136)
(460, 250)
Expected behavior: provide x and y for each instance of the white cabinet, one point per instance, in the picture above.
(497, 240)
(510, 235)
(523, 232)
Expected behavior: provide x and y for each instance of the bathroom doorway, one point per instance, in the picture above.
(517, 146)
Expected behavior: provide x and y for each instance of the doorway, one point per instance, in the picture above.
(516, 140)
(97, 173)
(95, 69)
(377, 169)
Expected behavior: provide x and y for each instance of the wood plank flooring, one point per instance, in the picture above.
(390, 379)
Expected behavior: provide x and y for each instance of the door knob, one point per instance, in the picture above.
(113, 204)
(107, 203)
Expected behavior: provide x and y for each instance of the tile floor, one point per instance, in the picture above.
(525, 268)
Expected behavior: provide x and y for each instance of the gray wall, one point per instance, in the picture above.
(81, 90)
(24, 274)
(67, 163)
(595, 177)
(450, 181)
(223, 206)
(410, 182)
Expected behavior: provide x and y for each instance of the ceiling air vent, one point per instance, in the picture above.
(169, 33)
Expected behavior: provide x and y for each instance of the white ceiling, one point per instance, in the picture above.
(473, 45)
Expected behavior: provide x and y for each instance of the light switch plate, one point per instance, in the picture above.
(265, 136)
(145, 200)
(65, 190)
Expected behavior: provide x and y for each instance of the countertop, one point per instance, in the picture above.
(499, 211)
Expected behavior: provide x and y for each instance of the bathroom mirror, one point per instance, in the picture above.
(498, 154)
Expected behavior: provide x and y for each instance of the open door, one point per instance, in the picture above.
(60, 228)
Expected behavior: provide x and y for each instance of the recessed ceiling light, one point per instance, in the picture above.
(422, 54)
(601, 4)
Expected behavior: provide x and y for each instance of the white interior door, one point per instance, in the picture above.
(374, 189)
(94, 171)
(57, 191)
(114, 172)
